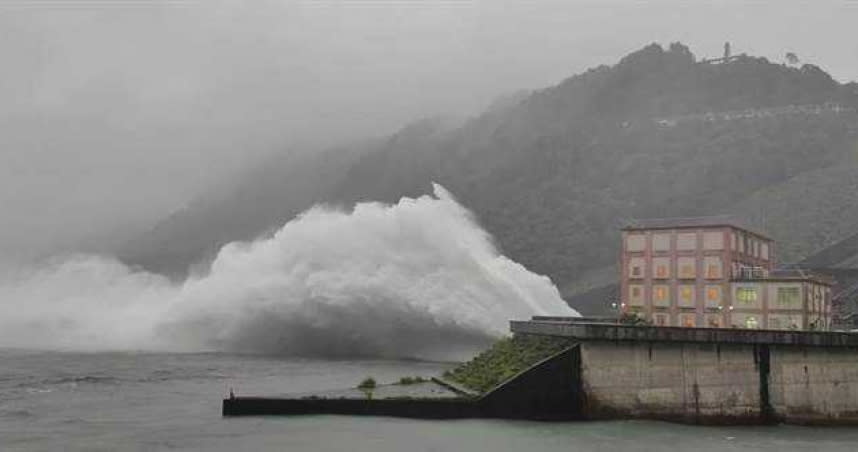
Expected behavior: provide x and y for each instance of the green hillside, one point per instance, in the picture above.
(552, 174)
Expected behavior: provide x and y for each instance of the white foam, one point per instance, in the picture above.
(418, 278)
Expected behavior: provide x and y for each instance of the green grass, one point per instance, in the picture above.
(411, 380)
(504, 359)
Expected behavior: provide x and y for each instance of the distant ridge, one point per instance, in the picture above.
(843, 254)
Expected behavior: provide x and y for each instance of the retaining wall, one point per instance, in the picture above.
(711, 375)
(688, 382)
(814, 385)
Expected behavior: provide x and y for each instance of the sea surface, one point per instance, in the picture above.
(53, 401)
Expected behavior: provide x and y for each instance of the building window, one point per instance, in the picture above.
(713, 296)
(661, 319)
(746, 294)
(686, 296)
(783, 322)
(687, 267)
(686, 241)
(636, 296)
(714, 268)
(789, 298)
(661, 295)
(635, 242)
(713, 240)
(774, 323)
(764, 251)
(661, 242)
(688, 320)
(746, 297)
(742, 240)
(793, 322)
(661, 267)
(713, 320)
(733, 241)
(749, 321)
(636, 267)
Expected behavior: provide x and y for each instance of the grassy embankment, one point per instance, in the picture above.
(504, 359)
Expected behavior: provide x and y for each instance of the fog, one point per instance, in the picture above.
(116, 113)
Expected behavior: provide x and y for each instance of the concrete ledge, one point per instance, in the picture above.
(412, 408)
(566, 318)
(610, 332)
(455, 387)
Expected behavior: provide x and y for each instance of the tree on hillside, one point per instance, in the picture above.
(791, 58)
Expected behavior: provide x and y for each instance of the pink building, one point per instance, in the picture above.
(710, 272)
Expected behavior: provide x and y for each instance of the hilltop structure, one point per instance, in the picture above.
(711, 272)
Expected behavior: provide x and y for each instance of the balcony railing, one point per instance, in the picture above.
(752, 273)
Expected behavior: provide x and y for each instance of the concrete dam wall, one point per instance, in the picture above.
(812, 385)
(684, 375)
(688, 382)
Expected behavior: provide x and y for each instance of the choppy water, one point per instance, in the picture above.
(145, 401)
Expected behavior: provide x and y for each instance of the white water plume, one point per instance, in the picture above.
(415, 279)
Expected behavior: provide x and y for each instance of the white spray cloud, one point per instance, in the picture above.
(418, 278)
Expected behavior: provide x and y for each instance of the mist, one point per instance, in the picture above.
(415, 279)
(116, 114)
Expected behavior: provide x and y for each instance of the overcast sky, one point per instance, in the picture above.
(116, 112)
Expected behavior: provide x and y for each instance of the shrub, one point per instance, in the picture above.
(411, 380)
(367, 384)
(633, 319)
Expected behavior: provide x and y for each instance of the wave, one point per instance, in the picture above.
(16, 414)
(418, 278)
(34, 386)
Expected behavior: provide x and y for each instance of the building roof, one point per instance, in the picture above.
(802, 274)
(690, 222)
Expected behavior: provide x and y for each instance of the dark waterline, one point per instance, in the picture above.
(154, 401)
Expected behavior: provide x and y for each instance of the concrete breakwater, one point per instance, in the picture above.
(704, 376)
(542, 392)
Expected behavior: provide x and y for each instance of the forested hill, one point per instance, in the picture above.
(552, 174)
